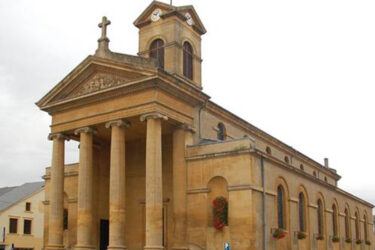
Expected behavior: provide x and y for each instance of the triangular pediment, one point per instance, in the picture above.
(95, 76)
(170, 10)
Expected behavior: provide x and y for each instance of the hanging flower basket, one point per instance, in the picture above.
(279, 233)
(220, 212)
(301, 235)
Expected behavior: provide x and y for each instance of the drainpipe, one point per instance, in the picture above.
(200, 120)
(264, 204)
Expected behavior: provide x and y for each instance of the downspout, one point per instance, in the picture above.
(264, 203)
(200, 120)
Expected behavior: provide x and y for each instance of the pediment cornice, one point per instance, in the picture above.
(98, 79)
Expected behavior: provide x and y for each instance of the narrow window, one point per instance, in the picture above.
(357, 233)
(157, 51)
(302, 167)
(221, 133)
(13, 223)
(365, 228)
(314, 173)
(320, 217)
(188, 60)
(66, 219)
(301, 210)
(27, 226)
(28, 206)
(280, 207)
(347, 224)
(335, 220)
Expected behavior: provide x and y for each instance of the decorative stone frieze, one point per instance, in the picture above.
(100, 82)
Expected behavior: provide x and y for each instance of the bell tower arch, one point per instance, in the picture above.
(172, 35)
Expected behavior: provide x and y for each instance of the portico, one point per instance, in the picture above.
(150, 130)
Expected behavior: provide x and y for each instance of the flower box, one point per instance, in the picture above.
(368, 242)
(301, 235)
(319, 237)
(358, 242)
(278, 233)
(348, 240)
(335, 238)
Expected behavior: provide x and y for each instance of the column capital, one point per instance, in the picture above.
(186, 127)
(118, 123)
(153, 115)
(58, 136)
(87, 130)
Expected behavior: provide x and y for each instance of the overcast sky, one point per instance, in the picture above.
(303, 71)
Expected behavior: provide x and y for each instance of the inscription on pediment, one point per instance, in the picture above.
(100, 82)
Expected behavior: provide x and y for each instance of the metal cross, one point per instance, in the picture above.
(103, 25)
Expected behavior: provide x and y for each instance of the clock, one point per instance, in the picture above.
(189, 19)
(155, 16)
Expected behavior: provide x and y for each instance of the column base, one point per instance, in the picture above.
(113, 247)
(153, 248)
(55, 247)
(84, 247)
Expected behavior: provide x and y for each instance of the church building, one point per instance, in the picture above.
(161, 166)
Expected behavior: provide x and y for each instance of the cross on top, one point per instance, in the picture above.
(103, 25)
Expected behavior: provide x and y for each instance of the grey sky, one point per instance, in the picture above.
(303, 71)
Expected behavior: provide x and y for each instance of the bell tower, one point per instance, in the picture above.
(172, 35)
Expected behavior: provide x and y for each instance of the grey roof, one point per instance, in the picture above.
(5, 190)
(12, 195)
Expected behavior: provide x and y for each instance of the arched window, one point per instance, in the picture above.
(335, 220)
(357, 232)
(286, 159)
(347, 224)
(268, 150)
(221, 133)
(320, 217)
(281, 207)
(157, 51)
(365, 232)
(65, 219)
(188, 60)
(301, 212)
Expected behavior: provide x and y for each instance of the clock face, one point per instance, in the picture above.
(155, 16)
(189, 19)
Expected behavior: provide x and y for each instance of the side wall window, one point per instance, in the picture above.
(320, 217)
(335, 221)
(301, 210)
(347, 224)
(281, 207)
(157, 51)
(188, 60)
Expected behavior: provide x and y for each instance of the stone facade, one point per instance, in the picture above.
(155, 152)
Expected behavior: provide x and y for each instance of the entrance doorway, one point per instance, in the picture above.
(104, 234)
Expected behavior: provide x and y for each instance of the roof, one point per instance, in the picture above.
(11, 195)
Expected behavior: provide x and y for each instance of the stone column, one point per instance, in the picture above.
(181, 137)
(85, 190)
(56, 205)
(154, 183)
(117, 184)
